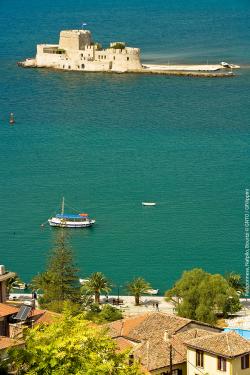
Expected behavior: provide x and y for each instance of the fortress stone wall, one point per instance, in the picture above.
(77, 51)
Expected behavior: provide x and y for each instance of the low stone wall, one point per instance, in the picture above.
(31, 63)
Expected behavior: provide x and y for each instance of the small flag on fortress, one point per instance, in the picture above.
(84, 24)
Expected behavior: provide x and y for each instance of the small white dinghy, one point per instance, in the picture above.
(148, 203)
(153, 292)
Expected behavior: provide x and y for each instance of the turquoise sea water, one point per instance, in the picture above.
(107, 142)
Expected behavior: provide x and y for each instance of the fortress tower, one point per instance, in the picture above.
(77, 51)
(75, 39)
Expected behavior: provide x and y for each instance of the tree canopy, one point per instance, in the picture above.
(203, 296)
(96, 284)
(137, 287)
(59, 283)
(235, 281)
(70, 345)
(102, 315)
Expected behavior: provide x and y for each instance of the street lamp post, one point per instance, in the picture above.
(118, 293)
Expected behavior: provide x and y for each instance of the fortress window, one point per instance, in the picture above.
(114, 57)
(69, 67)
(127, 58)
(63, 66)
(81, 54)
(83, 66)
(105, 56)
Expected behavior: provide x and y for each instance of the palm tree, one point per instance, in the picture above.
(235, 281)
(96, 284)
(137, 287)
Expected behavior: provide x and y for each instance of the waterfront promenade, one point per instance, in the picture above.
(156, 303)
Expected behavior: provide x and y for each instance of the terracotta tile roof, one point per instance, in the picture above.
(35, 312)
(6, 342)
(47, 317)
(155, 352)
(227, 344)
(123, 343)
(156, 323)
(151, 334)
(146, 325)
(123, 327)
(6, 310)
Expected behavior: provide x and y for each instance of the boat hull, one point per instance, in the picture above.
(70, 224)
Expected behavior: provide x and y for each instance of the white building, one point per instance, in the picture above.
(77, 51)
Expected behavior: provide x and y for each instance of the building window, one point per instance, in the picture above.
(114, 57)
(222, 364)
(127, 58)
(245, 362)
(69, 67)
(83, 66)
(81, 54)
(199, 358)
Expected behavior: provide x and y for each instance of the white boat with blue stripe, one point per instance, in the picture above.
(63, 220)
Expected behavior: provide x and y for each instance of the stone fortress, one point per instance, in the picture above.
(77, 51)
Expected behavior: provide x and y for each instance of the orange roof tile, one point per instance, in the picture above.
(47, 317)
(144, 325)
(35, 312)
(6, 342)
(227, 344)
(151, 334)
(123, 343)
(6, 310)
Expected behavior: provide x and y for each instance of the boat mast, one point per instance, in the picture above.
(62, 206)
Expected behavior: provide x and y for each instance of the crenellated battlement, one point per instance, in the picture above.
(77, 51)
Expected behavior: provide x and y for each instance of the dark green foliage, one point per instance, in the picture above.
(70, 345)
(110, 313)
(202, 296)
(96, 284)
(98, 46)
(235, 281)
(137, 287)
(105, 314)
(118, 45)
(59, 282)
